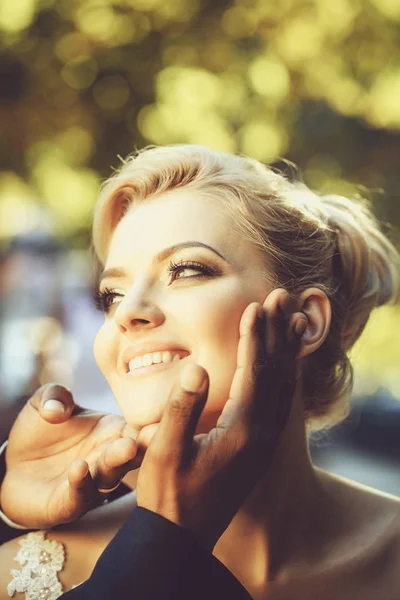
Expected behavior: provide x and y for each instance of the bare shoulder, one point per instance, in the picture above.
(390, 557)
(81, 543)
(381, 573)
(370, 522)
(365, 500)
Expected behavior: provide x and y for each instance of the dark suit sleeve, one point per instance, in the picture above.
(8, 533)
(151, 558)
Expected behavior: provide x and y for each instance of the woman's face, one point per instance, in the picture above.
(192, 310)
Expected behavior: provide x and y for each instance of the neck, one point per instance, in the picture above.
(277, 526)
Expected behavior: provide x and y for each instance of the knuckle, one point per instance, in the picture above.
(240, 435)
(180, 410)
(243, 439)
(104, 464)
(259, 368)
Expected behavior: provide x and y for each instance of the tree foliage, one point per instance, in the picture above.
(317, 82)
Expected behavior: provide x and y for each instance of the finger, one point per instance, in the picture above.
(277, 308)
(285, 329)
(288, 343)
(255, 392)
(248, 385)
(114, 463)
(78, 473)
(297, 325)
(82, 492)
(54, 402)
(174, 438)
(145, 436)
(254, 405)
(130, 432)
(143, 441)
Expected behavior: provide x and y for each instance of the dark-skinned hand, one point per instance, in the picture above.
(192, 480)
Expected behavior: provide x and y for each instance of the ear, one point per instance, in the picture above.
(315, 304)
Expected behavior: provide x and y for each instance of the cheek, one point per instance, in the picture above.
(222, 359)
(216, 331)
(104, 351)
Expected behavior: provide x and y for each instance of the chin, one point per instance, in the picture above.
(142, 400)
(139, 417)
(143, 405)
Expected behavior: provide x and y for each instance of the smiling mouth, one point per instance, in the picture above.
(158, 361)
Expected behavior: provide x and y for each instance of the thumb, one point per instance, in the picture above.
(54, 402)
(176, 429)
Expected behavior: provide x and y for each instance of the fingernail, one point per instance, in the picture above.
(53, 405)
(300, 326)
(191, 378)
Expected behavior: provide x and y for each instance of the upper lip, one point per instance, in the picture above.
(130, 352)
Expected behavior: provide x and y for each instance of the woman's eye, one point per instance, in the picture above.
(110, 297)
(198, 270)
(104, 300)
(180, 270)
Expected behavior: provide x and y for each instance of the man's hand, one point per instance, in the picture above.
(199, 482)
(59, 458)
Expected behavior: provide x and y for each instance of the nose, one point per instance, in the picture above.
(137, 312)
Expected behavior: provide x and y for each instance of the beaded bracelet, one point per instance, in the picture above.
(40, 561)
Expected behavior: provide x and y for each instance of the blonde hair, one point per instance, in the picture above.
(309, 240)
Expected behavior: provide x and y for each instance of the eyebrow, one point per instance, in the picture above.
(115, 272)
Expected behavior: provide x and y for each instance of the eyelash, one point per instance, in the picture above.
(101, 298)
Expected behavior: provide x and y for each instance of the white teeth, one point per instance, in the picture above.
(135, 363)
(157, 357)
(166, 356)
(147, 360)
(154, 358)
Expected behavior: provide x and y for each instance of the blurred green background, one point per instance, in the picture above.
(314, 81)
